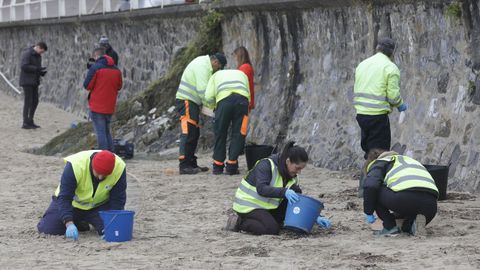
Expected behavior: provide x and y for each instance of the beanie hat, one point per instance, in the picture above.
(103, 162)
(221, 58)
(103, 40)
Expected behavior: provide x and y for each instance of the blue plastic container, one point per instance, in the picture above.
(118, 225)
(301, 216)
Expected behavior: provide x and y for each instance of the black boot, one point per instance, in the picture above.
(185, 167)
(232, 168)
(217, 169)
(195, 165)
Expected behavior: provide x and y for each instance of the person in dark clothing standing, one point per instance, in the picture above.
(400, 184)
(92, 181)
(30, 72)
(108, 49)
(103, 80)
(260, 203)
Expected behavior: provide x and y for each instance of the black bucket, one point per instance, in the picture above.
(255, 152)
(440, 175)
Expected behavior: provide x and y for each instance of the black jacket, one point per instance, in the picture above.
(112, 53)
(375, 180)
(261, 175)
(30, 67)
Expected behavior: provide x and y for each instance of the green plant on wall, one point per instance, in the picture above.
(159, 94)
(454, 10)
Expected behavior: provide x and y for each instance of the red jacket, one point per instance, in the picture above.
(103, 80)
(248, 70)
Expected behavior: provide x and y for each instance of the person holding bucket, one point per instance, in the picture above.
(92, 181)
(260, 205)
(402, 185)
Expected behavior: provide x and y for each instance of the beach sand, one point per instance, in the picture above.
(179, 219)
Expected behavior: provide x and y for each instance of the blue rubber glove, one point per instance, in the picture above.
(72, 232)
(291, 196)
(324, 222)
(370, 218)
(402, 107)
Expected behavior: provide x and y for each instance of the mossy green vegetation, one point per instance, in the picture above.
(160, 94)
(454, 10)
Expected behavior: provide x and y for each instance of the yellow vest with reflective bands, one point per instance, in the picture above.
(83, 193)
(247, 199)
(377, 86)
(406, 173)
(195, 79)
(224, 83)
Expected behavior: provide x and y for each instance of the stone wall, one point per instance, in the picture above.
(146, 42)
(304, 54)
(305, 61)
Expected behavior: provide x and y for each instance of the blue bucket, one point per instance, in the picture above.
(301, 216)
(118, 225)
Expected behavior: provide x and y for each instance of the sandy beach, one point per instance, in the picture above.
(179, 219)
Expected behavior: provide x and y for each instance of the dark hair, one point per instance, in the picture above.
(243, 57)
(42, 45)
(386, 46)
(99, 50)
(371, 156)
(220, 57)
(295, 154)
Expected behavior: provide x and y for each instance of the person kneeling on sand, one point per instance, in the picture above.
(400, 184)
(260, 203)
(91, 181)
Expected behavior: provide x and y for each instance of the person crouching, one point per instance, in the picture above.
(402, 185)
(92, 181)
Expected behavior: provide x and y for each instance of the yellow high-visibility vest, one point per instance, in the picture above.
(247, 198)
(83, 193)
(195, 79)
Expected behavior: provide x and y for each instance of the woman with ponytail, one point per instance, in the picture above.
(261, 199)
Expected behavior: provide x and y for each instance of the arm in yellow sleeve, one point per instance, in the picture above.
(210, 93)
(393, 87)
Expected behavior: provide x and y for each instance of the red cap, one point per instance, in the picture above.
(103, 162)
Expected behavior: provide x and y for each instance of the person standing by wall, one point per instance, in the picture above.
(30, 72)
(376, 91)
(243, 63)
(103, 82)
(189, 97)
(228, 93)
(103, 42)
(399, 184)
(91, 181)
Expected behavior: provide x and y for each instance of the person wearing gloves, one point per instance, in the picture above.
(228, 93)
(261, 199)
(92, 181)
(375, 93)
(402, 185)
(189, 98)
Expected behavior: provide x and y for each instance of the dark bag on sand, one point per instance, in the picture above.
(123, 148)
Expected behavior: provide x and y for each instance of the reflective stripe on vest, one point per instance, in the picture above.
(233, 85)
(83, 192)
(248, 199)
(408, 173)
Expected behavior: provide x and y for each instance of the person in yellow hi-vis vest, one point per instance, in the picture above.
(400, 184)
(260, 203)
(228, 93)
(190, 96)
(91, 181)
(376, 92)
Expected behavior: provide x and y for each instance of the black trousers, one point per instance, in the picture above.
(406, 204)
(261, 221)
(190, 132)
(231, 112)
(375, 132)
(30, 103)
